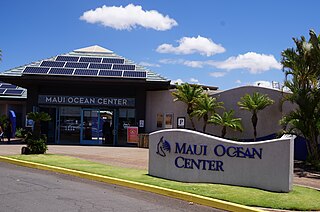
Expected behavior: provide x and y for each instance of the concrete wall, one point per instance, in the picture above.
(190, 156)
(268, 119)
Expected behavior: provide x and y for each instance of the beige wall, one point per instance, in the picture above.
(268, 119)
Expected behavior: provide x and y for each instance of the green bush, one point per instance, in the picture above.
(36, 146)
(21, 133)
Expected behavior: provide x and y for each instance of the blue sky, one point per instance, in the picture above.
(218, 43)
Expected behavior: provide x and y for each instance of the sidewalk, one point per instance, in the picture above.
(130, 157)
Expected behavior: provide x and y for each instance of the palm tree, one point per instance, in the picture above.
(254, 103)
(37, 118)
(188, 94)
(226, 120)
(204, 107)
(302, 69)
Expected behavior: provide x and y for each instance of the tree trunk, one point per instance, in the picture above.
(205, 120)
(189, 111)
(223, 131)
(254, 120)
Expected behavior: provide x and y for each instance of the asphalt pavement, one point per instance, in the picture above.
(24, 189)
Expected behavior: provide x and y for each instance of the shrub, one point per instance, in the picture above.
(21, 133)
(36, 145)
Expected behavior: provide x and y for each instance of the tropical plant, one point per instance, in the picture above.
(254, 103)
(226, 121)
(188, 94)
(204, 107)
(301, 66)
(36, 143)
(21, 133)
(37, 118)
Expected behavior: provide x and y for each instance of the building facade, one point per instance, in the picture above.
(92, 95)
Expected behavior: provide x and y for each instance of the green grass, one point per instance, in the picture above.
(299, 199)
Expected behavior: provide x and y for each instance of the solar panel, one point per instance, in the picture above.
(110, 73)
(113, 60)
(86, 72)
(90, 59)
(2, 90)
(135, 74)
(76, 65)
(8, 86)
(61, 71)
(35, 70)
(67, 58)
(100, 65)
(123, 67)
(52, 63)
(14, 91)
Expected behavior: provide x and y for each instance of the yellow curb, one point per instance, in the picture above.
(219, 204)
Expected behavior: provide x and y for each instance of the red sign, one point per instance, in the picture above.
(132, 135)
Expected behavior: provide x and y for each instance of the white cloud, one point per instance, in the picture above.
(177, 81)
(238, 81)
(217, 74)
(129, 17)
(254, 62)
(194, 81)
(191, 45)
(146, 64)
(193, 64)
(172, 61)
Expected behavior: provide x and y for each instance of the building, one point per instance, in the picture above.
(92, 95)
(95, 97)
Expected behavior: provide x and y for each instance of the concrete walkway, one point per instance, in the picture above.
(133, 158)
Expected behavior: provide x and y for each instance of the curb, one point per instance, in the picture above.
(215, 203)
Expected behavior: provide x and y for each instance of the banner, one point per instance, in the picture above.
(132, 135)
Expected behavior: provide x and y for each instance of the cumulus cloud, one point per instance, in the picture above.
(172, 61)
(254, 62)
(129, 17)
(191, 45)
(193, 64)
(149, 64)
(177, 81)
(217, 74)
(189, 63)
(194, 81)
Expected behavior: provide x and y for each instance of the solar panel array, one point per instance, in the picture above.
(9, 89)
(86, 66)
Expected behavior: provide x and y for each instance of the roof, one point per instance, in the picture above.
(127, 69)
(9, 91)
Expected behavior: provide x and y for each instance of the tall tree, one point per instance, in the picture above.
(254, 103)
(301, 66)
(188, 94)
(226, 121)
(204, 107)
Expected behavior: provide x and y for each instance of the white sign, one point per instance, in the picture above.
(191, 156)
(141, 123)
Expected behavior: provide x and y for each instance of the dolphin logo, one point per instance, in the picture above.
(162, 147)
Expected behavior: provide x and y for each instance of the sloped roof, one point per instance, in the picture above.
(91, 51)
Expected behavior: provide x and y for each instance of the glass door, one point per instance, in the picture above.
(68, 123)
(91, 127)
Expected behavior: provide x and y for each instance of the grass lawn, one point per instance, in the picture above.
(299, 199)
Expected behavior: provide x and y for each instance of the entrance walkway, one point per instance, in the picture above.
(138, 158)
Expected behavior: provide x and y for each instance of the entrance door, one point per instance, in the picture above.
(91, 127)
(68, 123)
